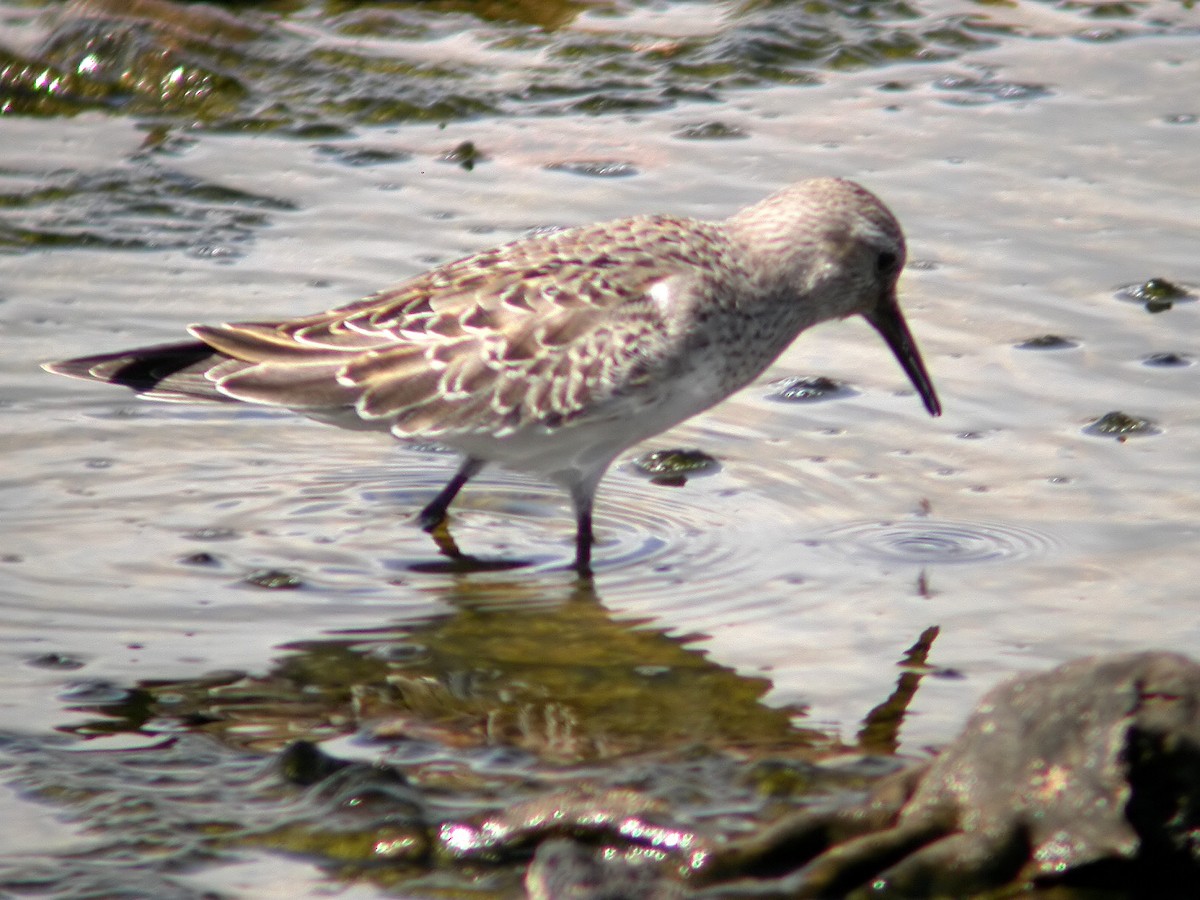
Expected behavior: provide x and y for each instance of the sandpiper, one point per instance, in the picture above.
(554, 354)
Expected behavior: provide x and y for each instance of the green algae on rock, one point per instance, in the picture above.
(1120, 425)
(671, 468)
(1155, 294)
(274, 580)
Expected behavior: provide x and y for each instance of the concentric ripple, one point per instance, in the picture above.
(656, 543)
(939, 542)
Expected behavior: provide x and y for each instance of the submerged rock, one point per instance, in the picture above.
(1047, 342)
(465, 154)
(1087, 775)
(1084, 777)
(708, 131)
(144, 56)
(672, 467)
(600, 168)
(1167, 360)
(566, 870)
(273, 580)
(1120, 425)
(1155, 294)
(806, 389)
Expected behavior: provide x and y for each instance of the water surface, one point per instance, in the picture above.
(1041, 158)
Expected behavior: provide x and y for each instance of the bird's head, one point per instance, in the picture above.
(832, 247)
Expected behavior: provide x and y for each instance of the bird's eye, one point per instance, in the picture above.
(885, 263)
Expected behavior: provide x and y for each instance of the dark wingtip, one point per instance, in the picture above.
(143, 369)
(87, 368)
(68, 367)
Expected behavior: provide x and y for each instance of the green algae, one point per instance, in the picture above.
(1120, 425)
(238, 70)
(672, 467)
(1155, 294)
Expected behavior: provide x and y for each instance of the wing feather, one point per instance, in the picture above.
(312, 386)
(535, 331)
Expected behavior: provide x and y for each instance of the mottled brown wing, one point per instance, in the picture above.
(531, 332)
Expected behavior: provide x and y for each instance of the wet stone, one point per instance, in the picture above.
(1120, 425)
(304, 763)
(141, 207)
(213, 534)
(239, 72)
(807, 389)
(94, 693)
(316, 131)
(601, 168)
(971, 91)
(59, 661)
(779, 778)
(144, 64)
(362, 156)
(1047, 342)
(430, 447)
(1155, 294)
(567, 870)
(1102, 35)
(1110, 10)
(1086, 776)
(671, 468)
(466, 155)
(709, 131)
(160, 140)
(1167, 360)
(619, 817)
(274, 580)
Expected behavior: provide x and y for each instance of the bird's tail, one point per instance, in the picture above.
(162, 372)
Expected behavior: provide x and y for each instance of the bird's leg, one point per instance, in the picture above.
(583, 545)
(433, 516)
(582, 496)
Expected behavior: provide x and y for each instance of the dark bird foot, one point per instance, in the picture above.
(439, 529)
(456, 562)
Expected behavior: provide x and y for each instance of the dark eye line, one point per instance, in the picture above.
(886, 261)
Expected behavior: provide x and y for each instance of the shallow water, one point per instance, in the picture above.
(1040, 156)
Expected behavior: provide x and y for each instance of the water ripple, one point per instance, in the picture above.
(933, 542)
(650, 539)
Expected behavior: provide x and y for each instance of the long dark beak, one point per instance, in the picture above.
(889, 322)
